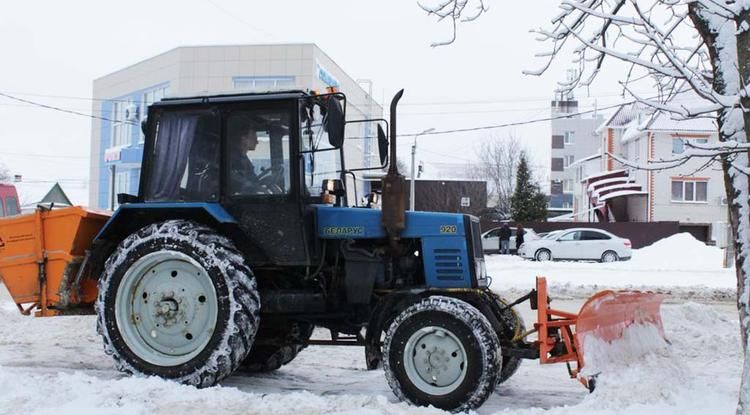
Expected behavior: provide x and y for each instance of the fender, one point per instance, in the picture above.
(132, 216)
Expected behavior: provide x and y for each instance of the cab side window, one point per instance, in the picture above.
(257, 152)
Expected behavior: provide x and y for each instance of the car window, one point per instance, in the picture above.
(11, 205)
(571, 236)
(512, 232)
(594, 236)
(552, 235)
(493, 233)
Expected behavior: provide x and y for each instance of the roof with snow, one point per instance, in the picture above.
(638, 118)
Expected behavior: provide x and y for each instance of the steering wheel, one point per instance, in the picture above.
(272, 178)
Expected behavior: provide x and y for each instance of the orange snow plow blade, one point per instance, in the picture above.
(43, 258)
(604, 319)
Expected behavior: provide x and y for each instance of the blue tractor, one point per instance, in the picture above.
(242, 240)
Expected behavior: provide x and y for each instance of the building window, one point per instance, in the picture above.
(122, 183)
(263, 83)
(568, 185)
(557, 164)
(570, 137)
(558, 141)
(678, 144)
(689, 191)
(120, 124)
(148, 98)
(569, 159)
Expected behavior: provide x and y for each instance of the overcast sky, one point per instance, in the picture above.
(52, 51)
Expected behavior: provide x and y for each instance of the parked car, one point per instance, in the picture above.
(9, 205)
(578, 244)
(491, 242)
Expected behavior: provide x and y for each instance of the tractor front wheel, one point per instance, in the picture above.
(177, 301)
(442, 352)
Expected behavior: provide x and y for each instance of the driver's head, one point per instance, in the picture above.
(242, 131)
(248, 140)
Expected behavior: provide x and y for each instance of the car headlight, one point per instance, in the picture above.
(481, 271)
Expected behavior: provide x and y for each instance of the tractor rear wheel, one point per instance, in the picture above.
(276, 345)
(176, 300)
(443, 352)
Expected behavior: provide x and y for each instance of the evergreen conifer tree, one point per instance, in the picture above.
(528, 202)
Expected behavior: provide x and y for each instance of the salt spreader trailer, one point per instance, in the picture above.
(209, 269)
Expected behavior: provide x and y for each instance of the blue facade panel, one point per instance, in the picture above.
(130, 156)
(559, 201)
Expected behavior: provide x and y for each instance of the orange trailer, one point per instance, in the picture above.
(43, 259)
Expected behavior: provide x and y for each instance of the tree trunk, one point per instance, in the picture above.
(726, 47)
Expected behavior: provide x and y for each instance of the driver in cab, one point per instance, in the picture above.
(243, 134)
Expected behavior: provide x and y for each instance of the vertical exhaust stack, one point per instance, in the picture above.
(394, 187)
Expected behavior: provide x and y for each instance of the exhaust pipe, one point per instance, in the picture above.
(394, 188)
(393, 169)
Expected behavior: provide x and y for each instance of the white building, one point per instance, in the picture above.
(573, 138)
(692, 194)
(122, 97)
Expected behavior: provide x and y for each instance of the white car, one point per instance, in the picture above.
(491, 239)
(578, 244)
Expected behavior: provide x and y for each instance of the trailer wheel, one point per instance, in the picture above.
(443, 352)
(276, 346)
(514, 326)
(176, 300)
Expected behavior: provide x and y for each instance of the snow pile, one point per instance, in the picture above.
(678, 264)
(678, 252)
(698, 373)
(637, 341)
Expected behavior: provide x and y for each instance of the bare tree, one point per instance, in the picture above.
(498, 162)
(701, 44)
(5, 176)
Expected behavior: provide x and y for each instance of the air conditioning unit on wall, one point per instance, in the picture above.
(131, 112)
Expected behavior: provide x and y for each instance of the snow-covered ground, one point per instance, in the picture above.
(56, 365)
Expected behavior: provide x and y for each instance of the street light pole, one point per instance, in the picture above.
(413, 175)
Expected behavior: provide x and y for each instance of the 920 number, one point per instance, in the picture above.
(448, 229)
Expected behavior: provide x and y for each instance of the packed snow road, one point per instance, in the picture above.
(56, 365)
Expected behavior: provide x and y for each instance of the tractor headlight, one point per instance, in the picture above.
(481, 271)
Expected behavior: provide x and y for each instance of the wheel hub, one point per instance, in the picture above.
(166, 308)
(435, 360)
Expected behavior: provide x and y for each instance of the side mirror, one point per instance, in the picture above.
(382, 145)
(144, 126)
(335, 123)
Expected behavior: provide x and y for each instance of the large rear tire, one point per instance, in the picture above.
(177, 301)
(443, 352)
(276, 345)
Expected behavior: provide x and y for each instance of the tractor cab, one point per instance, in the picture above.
(256, 164)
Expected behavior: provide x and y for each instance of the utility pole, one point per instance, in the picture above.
(413, 175)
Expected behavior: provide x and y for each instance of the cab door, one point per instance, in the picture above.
(260, 187)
